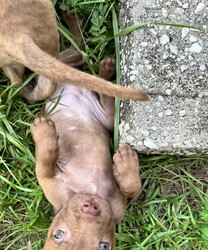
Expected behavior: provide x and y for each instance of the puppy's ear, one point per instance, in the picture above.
(29, 246)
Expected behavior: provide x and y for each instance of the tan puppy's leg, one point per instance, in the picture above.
(15, 73)
(126, 171)
(71, 57)
(46, 147)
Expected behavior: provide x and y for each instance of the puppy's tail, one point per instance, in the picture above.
(45, 65)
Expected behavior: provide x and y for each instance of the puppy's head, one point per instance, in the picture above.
(86, 222)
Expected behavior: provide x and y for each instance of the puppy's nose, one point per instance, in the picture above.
(91, 207)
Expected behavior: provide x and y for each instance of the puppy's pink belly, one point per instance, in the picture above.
(76, 99)
(78, 103)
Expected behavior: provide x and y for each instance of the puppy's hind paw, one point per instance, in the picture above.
(107, 68)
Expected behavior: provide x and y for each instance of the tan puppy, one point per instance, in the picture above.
(75, 169)
(29, 38)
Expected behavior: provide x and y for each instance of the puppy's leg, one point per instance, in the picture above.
(46, 147)
(107, 69)
(126, 171)
(39, 91)
(45, 87)
(15, 73)
(72, 57)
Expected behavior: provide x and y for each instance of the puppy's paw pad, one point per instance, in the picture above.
(125, 155)
(126, 171)
(126, 161)
(107, 68)
(43, 129)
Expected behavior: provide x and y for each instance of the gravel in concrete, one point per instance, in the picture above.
(169, 63)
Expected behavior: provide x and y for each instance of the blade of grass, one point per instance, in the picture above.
(118, 78)
(136, 26)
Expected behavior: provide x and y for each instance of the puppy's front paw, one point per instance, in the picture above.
(46, 140)
(126, 171)
(42, 130)
(107, 68)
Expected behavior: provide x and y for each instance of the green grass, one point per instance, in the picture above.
(171, 211)
(168, 212)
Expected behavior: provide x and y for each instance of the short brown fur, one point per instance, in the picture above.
(29, 38)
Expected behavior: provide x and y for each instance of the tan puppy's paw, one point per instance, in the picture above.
(43, 129)
(126, 171)
(107, 68)
(126, 160)
(46, 140)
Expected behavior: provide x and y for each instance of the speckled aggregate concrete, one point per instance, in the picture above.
(171, 64)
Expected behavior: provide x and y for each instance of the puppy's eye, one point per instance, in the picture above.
(59, 234)
(104, 246)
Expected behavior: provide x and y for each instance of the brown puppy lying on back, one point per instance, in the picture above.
(29, 38)
(75, 169)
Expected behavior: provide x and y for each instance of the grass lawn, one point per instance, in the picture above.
(171, 211)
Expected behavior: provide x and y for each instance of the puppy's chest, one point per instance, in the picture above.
(87, 182)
